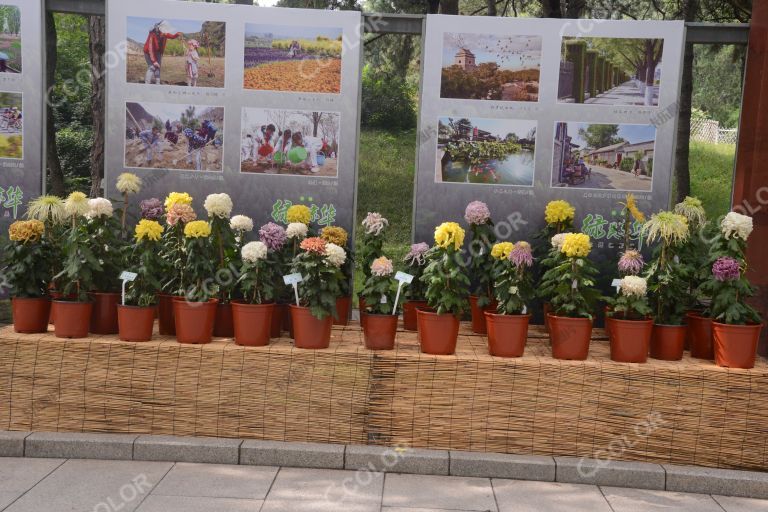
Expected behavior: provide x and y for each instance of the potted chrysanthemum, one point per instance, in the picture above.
(136, 317)
(668, 284)
(319, 262)
(482, 237)
(447, 291)
(380, 327)
(49, 210)
(630, 323)
(195, 312)
(736, 326)
(252, 314)
(370, 244)
(339, 236)
(508, 325)
(223, 239)
(280, 254)
(559, 216)
(240, 225)
(416, 261)
(553, 259)
(571, 284)
(127, 184)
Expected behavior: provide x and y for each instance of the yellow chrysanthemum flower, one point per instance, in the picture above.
(76, 204)
(177, 198)
(25, 231)
(559, 211)
(47, 208)
(576, 245)
(449, 234)
(501, 250)
(197, 229)
(670, 227)
(631, 205)
(148, 230)
(128, 183)
(299, 213)
(692, 209)
(335, 235)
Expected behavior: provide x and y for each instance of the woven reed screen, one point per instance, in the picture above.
(688, 412)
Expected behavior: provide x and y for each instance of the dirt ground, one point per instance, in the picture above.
(328, 169)
(321, 75)
(174, 71)
(172, 156)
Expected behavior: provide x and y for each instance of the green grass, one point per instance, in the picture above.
(711, 168)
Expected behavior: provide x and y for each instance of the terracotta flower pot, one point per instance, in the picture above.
(309, 331)
(668, 342)
(30, 314)
(606, 310)
(507, 334)
(380, 331)
(343, 307)
(409, 314)
(72, 318)
(135, 323)
(194, 320)
(278, 311)
(570, 337)
(478, 314)
(104, 314)
(222, 325)
(700, 336)
(629, 339)
(166, 325)
(252, 323)
(735, 345)
(437, 333)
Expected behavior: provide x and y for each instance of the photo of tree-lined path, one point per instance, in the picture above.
(10, 39)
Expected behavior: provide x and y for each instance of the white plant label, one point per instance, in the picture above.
(616, 283)
(294, 280)
(126, 277)
(404, 278)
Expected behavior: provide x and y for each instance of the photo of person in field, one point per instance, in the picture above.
(11, 127)
(10, 39)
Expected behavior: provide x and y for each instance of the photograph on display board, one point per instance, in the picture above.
(292, 58)
(604, 156)
(175, 52)
(490, 67)
(290, 142)
(11, 129)
(485, 151)
(610, 71)
(10, 39)
(174, 136)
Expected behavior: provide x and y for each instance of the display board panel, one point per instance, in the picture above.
(260, 103)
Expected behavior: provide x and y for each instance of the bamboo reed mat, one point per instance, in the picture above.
(688, 412)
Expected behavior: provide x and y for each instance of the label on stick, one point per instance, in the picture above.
(292, 279)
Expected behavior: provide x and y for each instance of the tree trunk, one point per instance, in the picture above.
(492, 8)
(433, 6)
(449, 6)
(682, 161)
(551, 8)
(96, 47)
(574, 8)
(55, 174)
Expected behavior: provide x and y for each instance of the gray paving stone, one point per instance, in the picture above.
(734, 504)
(217, 481)
(12, 443)
(6, 498)
(436, 492)
(638, 475)
(726, 482)
(280, 505)
(187, 504)
(332, 487)
(397, 460)
(643, 500)
(18, 475)
(517, 496)
(69, 445)
(401, 509)
(500, 465)
(301, 455)
(211, 450)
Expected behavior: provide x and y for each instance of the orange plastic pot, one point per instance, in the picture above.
(72, 318)
(222, 325)
(735, 345)
(343, 307)
(166, 325)
(437, 333)
(194, 320)
(569, 337)
(104, 313)
(507, 334)
(135, 323)
(252, 323)
(478, 314)
(700, 336)
(410, 322)
(380, 331)
(668, 342)
(30, 314)
(309, 331)
(629, 339)
(277, 320)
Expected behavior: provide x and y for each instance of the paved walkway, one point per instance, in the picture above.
(606, 178)
(57, 485)
(624, 94)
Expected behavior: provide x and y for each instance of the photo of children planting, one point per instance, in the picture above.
(295, 142)
(604, 156)
(176, 52)
(174, 136)
(10, 39)
(485, 151)
(610, 71)
(296, 59)
(490, 67)
(11, 128)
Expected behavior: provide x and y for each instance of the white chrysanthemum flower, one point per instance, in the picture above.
(374, 223)
(99, 207)
(128, 183)
(76, 204)
(218, 205)
(557, 241)
(335, 255)
(241, 223)
(296, 230)
(634, 286)
(252, 252)
(382, 267)
(736, 225)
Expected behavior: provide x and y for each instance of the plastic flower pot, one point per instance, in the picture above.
(570, 337)
(278, 311)
(380, 331)
(507, 334)
(735, 345)
(700, 336)
(194, 320)
(409, 314)
(629, 339)
(309, 331)
(668, 342)
(478, 314)
(135, 323)
(343, 307)
(30, 315)
(222, 325)
(72, 318)
(166, 324)
(252, 323)
(104, 314)
(438, 333)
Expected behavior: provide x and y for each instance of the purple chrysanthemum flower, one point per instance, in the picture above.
(521, 255)
(151, 209)
(273, 235)
(631, 262)
(417, 254)
(726, 269)
(477, 212)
